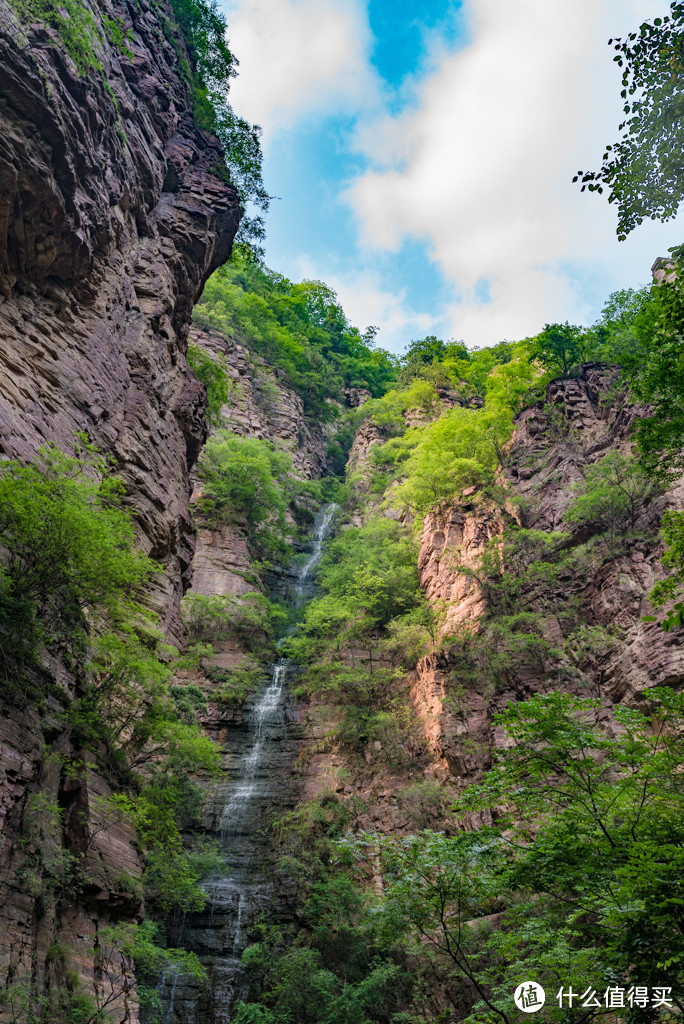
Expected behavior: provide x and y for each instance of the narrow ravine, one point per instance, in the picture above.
(256, 785)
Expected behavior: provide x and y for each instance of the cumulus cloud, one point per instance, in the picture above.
(480, 166)
(299, 57)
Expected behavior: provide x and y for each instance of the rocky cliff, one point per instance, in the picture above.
(111, 219)
(582, 419)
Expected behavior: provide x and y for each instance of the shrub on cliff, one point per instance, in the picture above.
(247, 478)
(211, 370)
(462, 447)
(67, 551)
(611, 496)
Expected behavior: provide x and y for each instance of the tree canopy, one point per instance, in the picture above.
(643, 171)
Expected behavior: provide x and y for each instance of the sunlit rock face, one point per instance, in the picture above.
(110, 222)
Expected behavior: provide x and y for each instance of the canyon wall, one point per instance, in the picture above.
(111, 219)
(582, 419)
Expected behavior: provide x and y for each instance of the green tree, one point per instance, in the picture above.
(656, 375)
(212, 371)
(643, 171)
(244, 477)
(67, 545)
(611, 496)
(613, 338)
(583, 866)
(559, 347)
(609, 848)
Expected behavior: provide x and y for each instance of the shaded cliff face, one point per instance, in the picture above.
(110, 222)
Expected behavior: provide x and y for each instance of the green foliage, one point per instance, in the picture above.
(123, 949)
(299, 328)
(47, 871)
(432, 359)
(75, 26)
(236, 683)
(655, 373)
(559, 347)
(424, 801)
(641, 171)
(612, 494)
(672, 528)
(335, 971)
(249, 479)
(204, 30)
(212, 371)
(368, 578)
(523, 577)
(387, 412)
(583, 867)
(189, 702)
(461, 449)
(212, 65)
(369, 619)
(251, 620)
(70, 577)
(67, 544)
(613, 338)
(170, 803)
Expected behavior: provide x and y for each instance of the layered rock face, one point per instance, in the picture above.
(110, 222)
(262, 405)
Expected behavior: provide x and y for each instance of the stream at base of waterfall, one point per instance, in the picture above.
(256, 786)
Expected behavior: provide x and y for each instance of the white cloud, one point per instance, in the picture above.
(299, 57)
(481, 165)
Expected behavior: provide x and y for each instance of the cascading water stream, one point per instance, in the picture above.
(265, 710)
(235, 899)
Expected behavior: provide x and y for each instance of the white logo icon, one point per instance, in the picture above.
(529, 997)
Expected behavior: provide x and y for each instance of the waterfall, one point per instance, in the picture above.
(267, 708)
(322, 529)
(256, 783)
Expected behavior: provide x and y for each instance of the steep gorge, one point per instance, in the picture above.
(112, 218)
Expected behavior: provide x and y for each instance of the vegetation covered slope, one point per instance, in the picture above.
(471, 913)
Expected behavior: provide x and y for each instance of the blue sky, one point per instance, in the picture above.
(422, 157)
